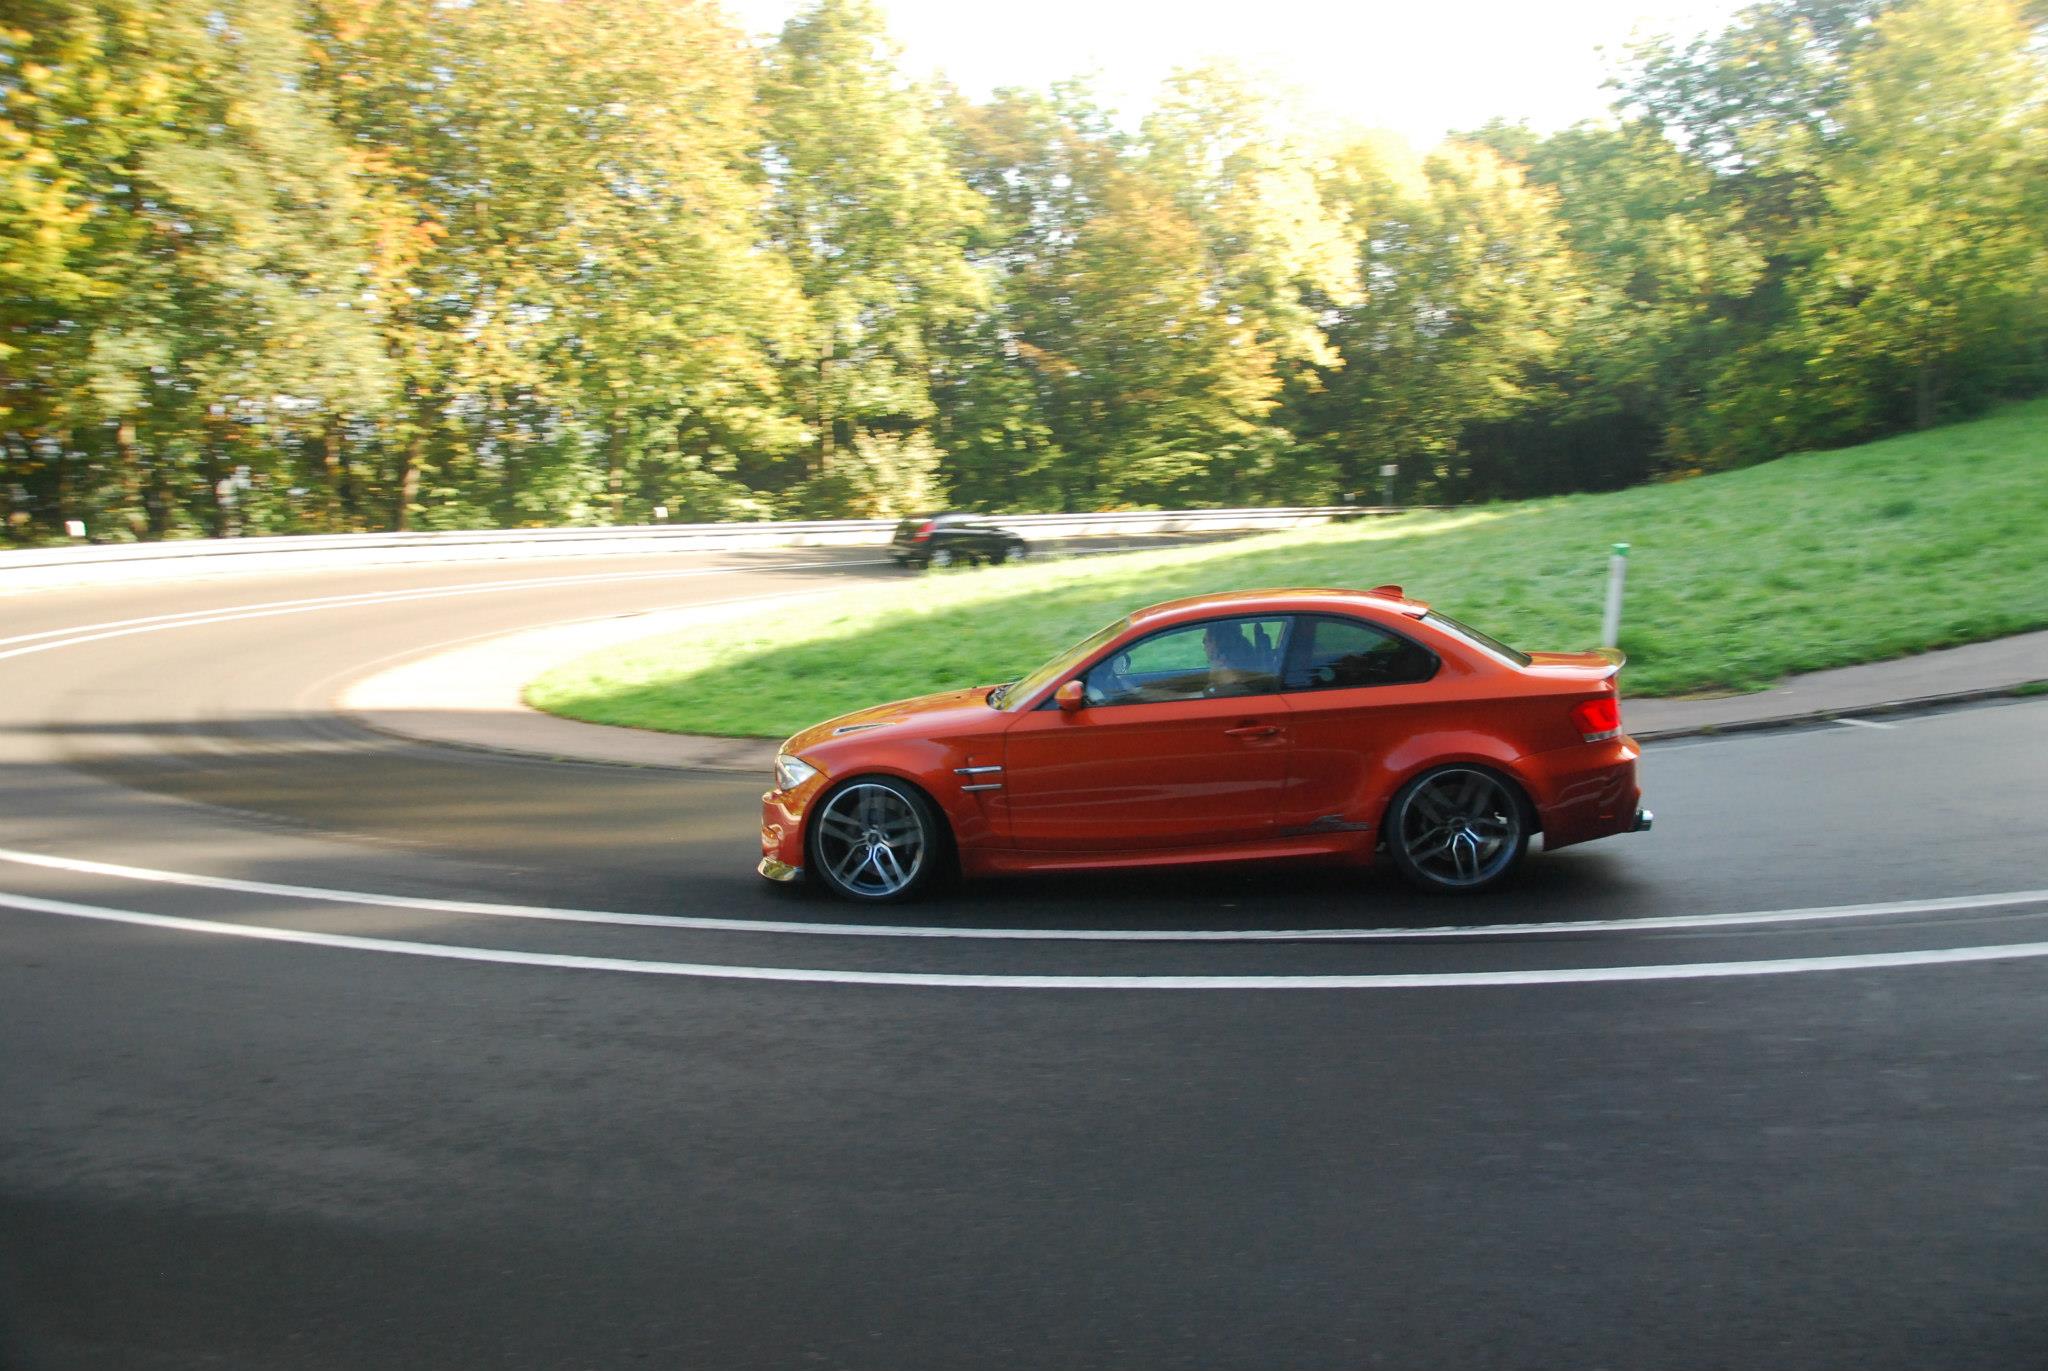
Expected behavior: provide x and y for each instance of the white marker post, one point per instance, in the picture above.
(1617, 573)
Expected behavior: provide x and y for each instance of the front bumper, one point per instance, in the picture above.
(782, 837)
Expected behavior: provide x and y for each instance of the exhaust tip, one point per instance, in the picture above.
(1644, 818)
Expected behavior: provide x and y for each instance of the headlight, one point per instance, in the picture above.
(791, 772)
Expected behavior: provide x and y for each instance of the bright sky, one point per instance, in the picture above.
(1419, 68)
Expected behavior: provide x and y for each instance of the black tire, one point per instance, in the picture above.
(941, 557)
(1457, 829)
(876, 840)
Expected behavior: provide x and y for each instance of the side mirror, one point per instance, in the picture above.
(1069, 697)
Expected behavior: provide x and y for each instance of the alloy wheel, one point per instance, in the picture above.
(1458, 829)
(871, 841)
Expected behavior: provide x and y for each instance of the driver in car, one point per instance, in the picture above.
(1233, 661)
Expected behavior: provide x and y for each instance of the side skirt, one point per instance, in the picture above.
(1351, 848)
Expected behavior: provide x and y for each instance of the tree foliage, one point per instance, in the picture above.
(275, 265)
(874, 221)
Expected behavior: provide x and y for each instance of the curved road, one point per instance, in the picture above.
(323, 1049)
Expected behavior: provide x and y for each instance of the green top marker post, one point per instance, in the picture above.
(1617, 573)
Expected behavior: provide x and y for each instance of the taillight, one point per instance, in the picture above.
(1598, 719)
(924, 531)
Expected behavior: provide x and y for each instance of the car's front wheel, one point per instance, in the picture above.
(876, 839)
(1457, 829)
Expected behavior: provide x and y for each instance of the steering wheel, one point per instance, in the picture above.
(1115, 686)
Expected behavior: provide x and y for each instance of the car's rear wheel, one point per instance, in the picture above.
(941, 557)
(1457, 829)
(876, 839)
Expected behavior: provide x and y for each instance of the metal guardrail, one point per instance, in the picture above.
(350, 542)
(33, 567)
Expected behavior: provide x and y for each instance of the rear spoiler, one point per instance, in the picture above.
(1607, 661)
(1414, 609)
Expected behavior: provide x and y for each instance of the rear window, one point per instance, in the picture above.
(1342, 654)
(1475, 637)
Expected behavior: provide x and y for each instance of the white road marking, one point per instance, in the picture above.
(157, 623)
(711, 971)
(83, 867)
(1864, 723)
(316, 601)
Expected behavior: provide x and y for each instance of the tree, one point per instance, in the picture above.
(1161, 394)
(1470, 292)
(1757, 105)
(205, 278)
(680, 325)
(874, 222)
(1110, 363)
(1930, 275)
(583, 319)
(1276, 248)
(1656, 248)
(1041, 164)
(53, 91)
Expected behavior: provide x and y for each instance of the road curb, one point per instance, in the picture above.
(472, 697)
(1811, 717)
(370, 724)
(760, 766)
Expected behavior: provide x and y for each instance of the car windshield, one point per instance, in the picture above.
(1473, 635)
(1012, 697)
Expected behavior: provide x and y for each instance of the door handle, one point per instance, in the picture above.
(1252, 731)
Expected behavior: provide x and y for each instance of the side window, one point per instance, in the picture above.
(1223, 657)
(1336, 654)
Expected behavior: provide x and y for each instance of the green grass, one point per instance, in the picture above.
(1818, 560)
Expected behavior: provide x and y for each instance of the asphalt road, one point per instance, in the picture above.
(372, 1121)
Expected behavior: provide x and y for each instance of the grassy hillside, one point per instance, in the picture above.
(1817, 560)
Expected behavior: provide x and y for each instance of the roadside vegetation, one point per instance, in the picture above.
(1820, 560)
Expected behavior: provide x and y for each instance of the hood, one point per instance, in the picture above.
(946, 707)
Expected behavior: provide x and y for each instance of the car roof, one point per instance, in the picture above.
(1388, 599)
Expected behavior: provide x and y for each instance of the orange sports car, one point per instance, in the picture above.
(1266, 725)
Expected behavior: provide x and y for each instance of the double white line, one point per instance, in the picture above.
(709, 924)
(941, 980)
(823, 976)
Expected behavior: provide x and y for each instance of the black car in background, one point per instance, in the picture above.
(926, 540)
